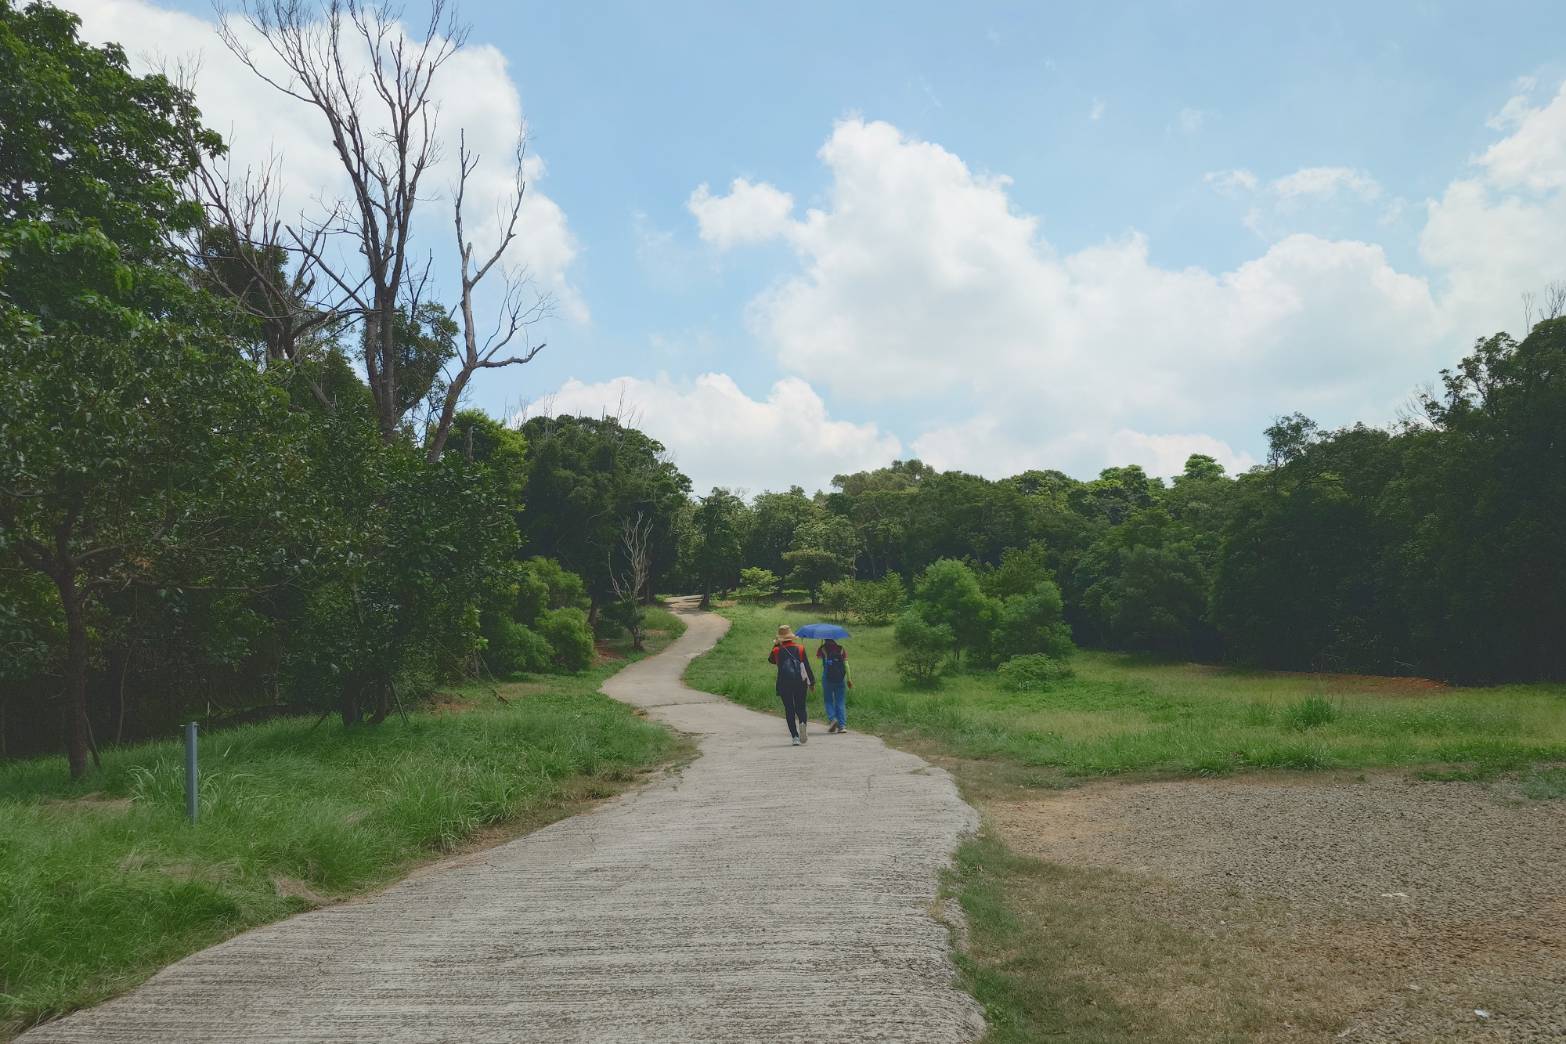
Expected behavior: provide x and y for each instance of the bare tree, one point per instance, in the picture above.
(245, 254)
(371, 82)
(515, 316)
(630, 581)
(1540, 308)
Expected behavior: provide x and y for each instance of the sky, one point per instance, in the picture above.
(796, 240)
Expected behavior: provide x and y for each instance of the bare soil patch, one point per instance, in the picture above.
(1377, 908)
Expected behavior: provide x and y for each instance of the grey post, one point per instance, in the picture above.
(191, 804)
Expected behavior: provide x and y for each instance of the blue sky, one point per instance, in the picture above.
(1069, 236)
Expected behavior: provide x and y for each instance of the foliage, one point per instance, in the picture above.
(1033, 622)
(586, 476)
(757, 583)
(717, 552)
(1033, 672)
(949, 595)
(877, 601)
(570, 638)
(923, 649)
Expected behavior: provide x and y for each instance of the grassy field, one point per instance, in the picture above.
(102, 882)
(1124, 714)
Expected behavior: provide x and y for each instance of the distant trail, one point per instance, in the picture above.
(765, 893)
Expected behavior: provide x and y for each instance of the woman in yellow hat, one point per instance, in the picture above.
(795, 680)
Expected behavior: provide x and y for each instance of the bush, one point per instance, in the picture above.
(757, 584)
(1033, 672)
(838, 597)
(1033, 622)
(515, 648)
(923, 649)
(877, 601)
(1309, 713)
(570, 638)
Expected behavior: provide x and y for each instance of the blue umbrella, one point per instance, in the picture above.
(823, 630)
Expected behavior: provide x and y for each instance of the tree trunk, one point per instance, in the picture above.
(706, 598)
(76, 741)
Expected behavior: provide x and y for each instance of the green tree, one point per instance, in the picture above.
(586, 476)
(774, 519)
(949, 595)
(718, 547)
(823, 552)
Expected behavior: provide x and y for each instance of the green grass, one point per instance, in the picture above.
(1126, 714)
(102, 881)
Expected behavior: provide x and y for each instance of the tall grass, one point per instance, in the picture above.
(103, 881)
(1126, 714)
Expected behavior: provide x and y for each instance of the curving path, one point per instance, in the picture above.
(764, 893)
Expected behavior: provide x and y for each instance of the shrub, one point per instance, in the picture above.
(1309, 713)
(923, 649)
(877, 601)
(948, 593)
(838, 597)
(515, 648)
(1033, 622)
(757, 583)
(570, 638)
(1033, 672)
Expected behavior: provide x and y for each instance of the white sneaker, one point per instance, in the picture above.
(796, 741)
(804, 732)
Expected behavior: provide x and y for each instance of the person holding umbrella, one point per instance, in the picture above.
(835, 682)
(795, 678)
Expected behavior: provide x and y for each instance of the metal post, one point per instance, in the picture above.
(192, 805)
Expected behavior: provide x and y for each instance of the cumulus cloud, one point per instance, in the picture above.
(475, 93)
(1325, 183)
(722, 437)
(921, 284)
(750, 213)
(1533, 156)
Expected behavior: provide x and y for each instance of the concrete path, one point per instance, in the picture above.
(764, 893)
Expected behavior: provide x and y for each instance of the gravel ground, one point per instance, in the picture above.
(1410, 907)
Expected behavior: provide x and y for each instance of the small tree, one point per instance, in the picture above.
(757, 583)
(923, 649)
(631, 578)
(949, 594)
(810, 567)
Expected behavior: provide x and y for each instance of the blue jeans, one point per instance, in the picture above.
(833, 694)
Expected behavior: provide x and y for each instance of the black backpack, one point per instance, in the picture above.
(834, 669)
(791, 664)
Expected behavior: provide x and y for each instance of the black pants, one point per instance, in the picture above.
(794, 708)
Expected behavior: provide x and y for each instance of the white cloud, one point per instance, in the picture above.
(750, 213)
(1231, 182)
(920, 283)
(722, 437)
(1096, 113)
(474, 93)
(1533, 156)
(1325, 183)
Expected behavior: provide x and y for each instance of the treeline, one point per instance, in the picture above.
(235, 481)
(1437, 547)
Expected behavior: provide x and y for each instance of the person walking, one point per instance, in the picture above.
(795, 679)
(835, 683)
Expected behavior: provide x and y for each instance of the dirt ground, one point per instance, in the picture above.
(1370, 909)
